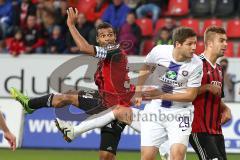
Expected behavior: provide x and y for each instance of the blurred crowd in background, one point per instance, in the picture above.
(39, 26)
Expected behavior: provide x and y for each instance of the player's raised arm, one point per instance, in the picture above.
(80, 41)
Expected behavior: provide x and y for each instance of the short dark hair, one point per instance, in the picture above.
(180, 34)
(132, 12)
(105, 25)
(212, 30)
(17, 30)
(164, 29)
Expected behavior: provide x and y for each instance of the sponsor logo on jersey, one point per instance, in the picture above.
(170, 81)
(217, 83)
(171, 74)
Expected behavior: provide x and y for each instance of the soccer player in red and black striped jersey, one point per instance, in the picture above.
(113, 95)
(209, 109)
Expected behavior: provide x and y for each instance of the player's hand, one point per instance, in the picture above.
(137, 99)
(151, 93)
(226, 115)
(215, 90)
(72, 16)
(11, 139)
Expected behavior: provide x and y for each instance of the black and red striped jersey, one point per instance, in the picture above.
(207, 113)
(111, 78)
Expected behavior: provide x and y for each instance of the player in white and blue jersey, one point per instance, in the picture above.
(176, 78)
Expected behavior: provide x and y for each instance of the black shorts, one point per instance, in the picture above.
(91, 103)
(208, 146)
(110, 136)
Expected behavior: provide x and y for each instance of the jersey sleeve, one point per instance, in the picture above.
(106, 52)
(101, 52)
(151, 57)
(195, 78)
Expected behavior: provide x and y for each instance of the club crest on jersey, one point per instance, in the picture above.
(171, 74)
(185, 73)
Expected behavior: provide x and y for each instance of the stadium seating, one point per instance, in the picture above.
(84, 5)
(146, 26)
(192, 23)
(209, 22)
(196, 14)
(147, 46)
(224, 8)
(230, 50)
(8, 41)
(238, 50)
(178, 8)
(233, 26)
(200, 8)
(200, 47)
(161, 23)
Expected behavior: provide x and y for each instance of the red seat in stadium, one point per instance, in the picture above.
(147, 47)
(8, 41)
(146, 26)
(84, 5)
(230, 50)
(190, 22)
(161, 23)
(211, 22)
(200, 47)
(178, 7)
(238, 50)
(233, 26)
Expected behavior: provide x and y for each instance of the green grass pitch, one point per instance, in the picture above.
(41, 154)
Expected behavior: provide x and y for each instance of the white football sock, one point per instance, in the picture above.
(95, 121)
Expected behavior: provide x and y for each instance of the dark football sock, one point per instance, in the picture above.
(40, 102)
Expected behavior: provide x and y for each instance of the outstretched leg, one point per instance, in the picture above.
(61, 100)
(52, 100)
(126, 115)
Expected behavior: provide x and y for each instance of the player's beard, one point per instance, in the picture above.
(108, 44)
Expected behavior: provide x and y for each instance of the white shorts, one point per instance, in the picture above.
(159, 124)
